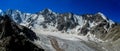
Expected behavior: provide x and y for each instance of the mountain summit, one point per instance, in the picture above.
(68, 31)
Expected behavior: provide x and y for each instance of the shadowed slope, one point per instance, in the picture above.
(14, 37)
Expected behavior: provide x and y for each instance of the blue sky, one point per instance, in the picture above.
(111, 8)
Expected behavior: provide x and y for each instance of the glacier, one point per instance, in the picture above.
(67, 31)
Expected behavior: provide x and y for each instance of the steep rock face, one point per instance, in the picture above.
(14, 37)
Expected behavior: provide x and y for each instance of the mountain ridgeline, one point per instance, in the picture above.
(102, 34)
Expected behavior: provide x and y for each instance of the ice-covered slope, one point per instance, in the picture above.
(68, 31)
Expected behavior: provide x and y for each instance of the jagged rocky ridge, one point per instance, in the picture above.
(70, 32)
(14, 37)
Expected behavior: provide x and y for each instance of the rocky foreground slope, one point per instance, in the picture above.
(64, 32)
(14, 37)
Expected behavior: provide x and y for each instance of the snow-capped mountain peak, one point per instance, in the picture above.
(62, 22)
(102, 15)
(46, 11)
(68, 31)
(1, 11)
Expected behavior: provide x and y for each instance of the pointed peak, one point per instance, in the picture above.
(1, 11)
(9, 10)
(102, 15)
(46, 11)
(17, 11)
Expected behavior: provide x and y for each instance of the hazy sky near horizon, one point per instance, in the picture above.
(111, 8)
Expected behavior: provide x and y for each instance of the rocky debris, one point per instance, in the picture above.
(14, 37)
(113, 34)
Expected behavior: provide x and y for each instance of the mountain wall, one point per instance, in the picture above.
(68, 31)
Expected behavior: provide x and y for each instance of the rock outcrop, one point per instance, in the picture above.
(14, 37)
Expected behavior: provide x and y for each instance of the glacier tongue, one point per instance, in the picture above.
(53, 41)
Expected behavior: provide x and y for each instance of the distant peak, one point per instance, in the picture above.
(102, 15)
(1, 11)
(11, 10)
(46, 11)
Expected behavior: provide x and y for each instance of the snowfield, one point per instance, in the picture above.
(52, 41)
